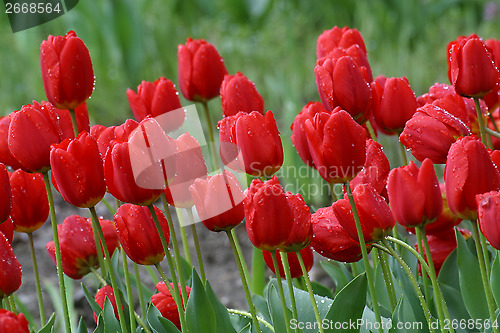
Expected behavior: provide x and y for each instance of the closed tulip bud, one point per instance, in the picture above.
(338, 37)
(488, 205)
(68, 77)
(190, 167)
(337, 145)
(374, 214)
(105, 136)
(5, 154)
(397, 105)
(293, 262)
(493, 98)
(201, 70)
(238, 93)
(299, 137)
(78, 248)
(376, 168)
(301, 231)
(469, 171)
(138, 235)
(358, 55)
(77, 169)
(251, 143)
(436, 91)
(268, 215)
(164, 302)
(219, 201)
(159, 98)
(12, 323)
(5, 194)
(414, 194)
(10, 269)
(331, 240)
(7, 228)
(30, 206)
(471, 69)
(100, 299)
(341, 82)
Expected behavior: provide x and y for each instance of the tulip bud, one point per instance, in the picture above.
(138, 235)
(493, 98)
(100, 299)
(12, 323)
(338, 37)
(488, 205)
(7, 228)
(5, 155)
(10, 269)
(238, 93)
(201, 70)
(68, 77)
(301, 232)
(105, 136)
(5, 194)
(293, 262)
(376, 168)
(164, 302)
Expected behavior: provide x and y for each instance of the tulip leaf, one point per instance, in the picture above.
(261, 306)
(82, 328)
(368, 322)
(449, 271)
(349, 303)
(276, 310)
(321, 290)
(100, 324)
(159, 324)
(49, 326)
(395, 315)
(198, 309)
(90, 299)
(382, 294)
(471, 284)
(454, 302)
(246, 329)
(168, 325)
(111, 324)
(495, 278)
(335, 273)
(496, 323)
(221, 315)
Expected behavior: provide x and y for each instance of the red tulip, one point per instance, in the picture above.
(293, 262)
(12, 323)
(30, 206)
(471, 69)
(301, 232)
(299, 137)
(154, 99)
(358, 55)
(397, 105)
(105, 136)
(5, 194)
(31, 132)
(338, 37)
(5, 155)
(488, 205)
(469, 171)
(341, 82)
(436, 91)
(164, 302)
(374, 214)
(331, 240)
(68, 77)
(100, 299)
(337, 145)
(78, 171)
(268, 215)
(376, 168)
(219, 201)
(138, 235)
(7, 228)
(238, 93)
(201, 70)
(493, 98)
(251, 143)
(414, 194)
(78, 248)
(190, 167)
(10, 269)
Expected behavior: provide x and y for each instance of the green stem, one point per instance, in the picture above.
(12, 303)
(354, 269)
(237, 256)
(493, 122)
(492, 132)
(142, 323)
(305, 274)
(73, 121)
(173, 237)
(413, 280)
(486, 253)
(60, 276)
(395, 233)
(185, 244)
(108, 206)
(107, 261)
(332, 192)
(249, 315)
(371, 130)
(37, 279)
(196, 244)
(152, 275)
(403, 154)
(366, 261)
(98, 247)
(425, 278)
(258, 272)
(174, 292)
(288, 275)
(242, 258)
(484, 274)
(480, 121)
(139, 289)
(280, 288)
(211, 143)
(389, 283)
(98, 276)
(129, 293)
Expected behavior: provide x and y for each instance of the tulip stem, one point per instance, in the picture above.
(484, 273)
(196, 244)
(12, 303)
(413, 280)
(480, 121)
(37, 279)
(173, 237)
(98, 276)
(366, 261)
(73, 121)
(280, 288)
(139, 289)
(305, 274)
(98, 247)
(371, 130)
(288, 275)
(237, 256)
(96, 225)
(425, 278)
(170, 261)
(185, 244)
(403, 154)
(211, 143)
(130, 297)
(249, 315)
(60, 276)
(332, 192)
(142, 323)
(492, 132)
(389, 283)
(152, 274)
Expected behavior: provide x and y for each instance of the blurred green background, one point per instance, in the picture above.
(271, 41)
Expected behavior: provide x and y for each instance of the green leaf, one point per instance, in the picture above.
(471, 284)
(349, 303)
(82, 328)
(449, 271)
(168, 325)
(369, 321)
(258, 272)
(159, 324)
(186, 268)
(49, 326)
(335, 273)
(221, 315)
(90, 299)
(382, 294)
(275, 308)
(262, 307)
(246, 329)
(321, 290)
(111, 324)
(198, 309)
(495, 278)
(395, 315)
